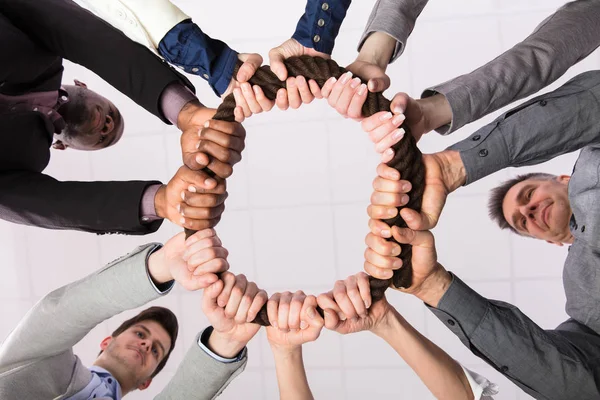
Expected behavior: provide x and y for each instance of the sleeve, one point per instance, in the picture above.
(201, 376)
(397, 18)
(545, 127)
(481, 387)
(559, 42)
(187, 47)
(67, 314)
(32, 198)
(545, 364)
(87, 40)
(320, 24)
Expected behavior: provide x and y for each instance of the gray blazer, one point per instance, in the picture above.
(37, 360)
(559, 42)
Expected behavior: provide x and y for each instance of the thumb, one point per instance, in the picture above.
(399, 103)
(378, 84)
(209, 299)
(332, 320)
(415, 238)
(277, 65)
(252, 62)
(417, 221)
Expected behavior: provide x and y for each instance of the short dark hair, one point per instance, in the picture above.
(498, 194)
(161, 315)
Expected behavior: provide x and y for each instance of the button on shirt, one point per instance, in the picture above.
(45, 103)
(102, 386)
(320, 24)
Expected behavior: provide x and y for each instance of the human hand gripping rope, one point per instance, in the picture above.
(407, 157)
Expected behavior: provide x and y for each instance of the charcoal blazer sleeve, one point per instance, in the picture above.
(32, 198)
(77, 35)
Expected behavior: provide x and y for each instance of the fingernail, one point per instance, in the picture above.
(404, 199)
(182, 220)
(408, 217)
(367, 304)
(389, 152)
(199, 158)
(398, 110)
(311, 312)
(303, 325)
(397, 263)
(385, 232)
(361, 90)
(333, 80)
(245, 88)
(396, 250)
(274, 324)
(182, 195)
(209, 182)
(178, 207)
(181, 212)
(341, 316)
(398, 118)
(192, 189)
(355, 82)
(255, 88)
(207, 124)
(406, 187)
(391, 212)
(385, 116)
(346, 77)
(398, 134)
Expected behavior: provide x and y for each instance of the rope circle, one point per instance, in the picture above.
(407, 157)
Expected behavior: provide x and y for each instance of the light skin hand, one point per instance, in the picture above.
(348, 307)
(347, 96)
(294, 320)
(216, 145)
(193, 263)
(444, 173)
(191, 199)
(287, 49)
(230, 304)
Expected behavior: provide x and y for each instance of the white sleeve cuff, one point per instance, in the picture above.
(481, 387)
(204, 337)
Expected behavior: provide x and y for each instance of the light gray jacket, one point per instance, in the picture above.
(37, 360)
(559, 42)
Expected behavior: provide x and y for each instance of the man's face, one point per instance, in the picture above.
(540, 209)
(92, 121)
(138, 350)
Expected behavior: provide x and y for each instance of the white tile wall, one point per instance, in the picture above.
(296, 213)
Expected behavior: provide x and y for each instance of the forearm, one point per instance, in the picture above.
(397, 19)
(442, 375)
(122, 285)
(559, 42)
(539, 130)
(291, 375)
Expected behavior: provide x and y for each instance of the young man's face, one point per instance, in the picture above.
(138, 350)
(540, 209)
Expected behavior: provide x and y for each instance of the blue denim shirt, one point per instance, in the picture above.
(187, 47)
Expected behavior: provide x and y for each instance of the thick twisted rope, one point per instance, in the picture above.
(407, 158)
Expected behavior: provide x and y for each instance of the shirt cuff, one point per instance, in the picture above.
(172, 100)
(484, 152)
(480, 385)
(163, 288)
(461, 309)
(320, 24)
(203, 343)
(460, 101)
(147, 209)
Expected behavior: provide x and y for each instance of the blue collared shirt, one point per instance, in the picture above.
(102, 386)
(187, 47)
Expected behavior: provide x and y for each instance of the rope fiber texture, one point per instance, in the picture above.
(407, 157)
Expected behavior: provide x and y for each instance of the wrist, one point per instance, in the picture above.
(453, 169)
(160, 202)
(377, 49)
(193, 113)
(437, 111)
(158, 268)
(434, 286)
(389, 325)
(285, 350)
(223, 345)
